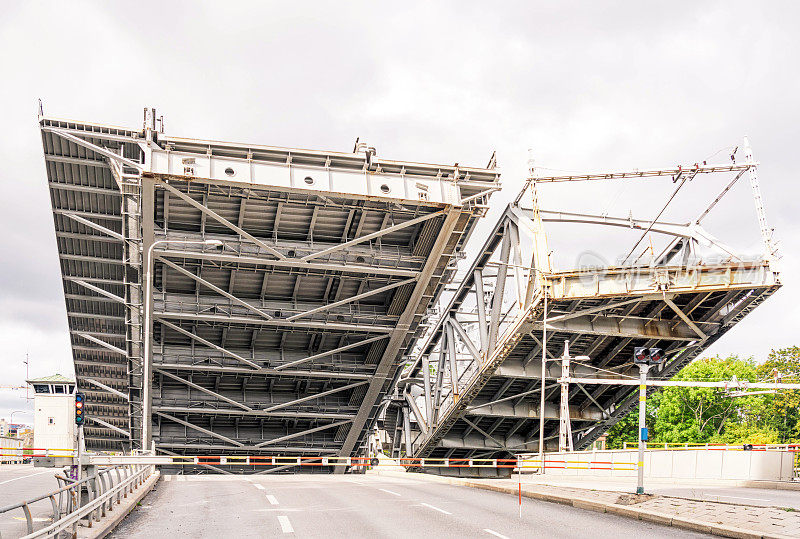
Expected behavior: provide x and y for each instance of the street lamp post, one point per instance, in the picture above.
(147, 367)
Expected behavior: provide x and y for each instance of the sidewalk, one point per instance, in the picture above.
(724, 519)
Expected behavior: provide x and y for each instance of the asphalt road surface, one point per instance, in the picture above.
(20, 482)
(359, 506)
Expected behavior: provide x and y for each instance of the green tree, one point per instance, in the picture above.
(782, 410)
(712, 415)
(697, 414)
(627, 428)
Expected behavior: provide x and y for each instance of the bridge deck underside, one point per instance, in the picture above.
(255, 351)
(81, 184)
(512, 426)
(311, 374)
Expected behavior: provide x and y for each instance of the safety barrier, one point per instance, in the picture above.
(528, 463)
(68, 506)
(29, 452)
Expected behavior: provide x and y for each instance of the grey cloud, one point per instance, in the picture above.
(586, 85)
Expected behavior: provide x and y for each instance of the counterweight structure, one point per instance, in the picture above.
(474, 388)
(235, 299)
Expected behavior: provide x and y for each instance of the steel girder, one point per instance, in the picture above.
(282, 338)
(481, 361)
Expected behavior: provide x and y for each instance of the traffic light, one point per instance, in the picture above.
(647, 356)
(80, 401)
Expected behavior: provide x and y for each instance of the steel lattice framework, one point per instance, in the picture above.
(474, 389)
(288, 286)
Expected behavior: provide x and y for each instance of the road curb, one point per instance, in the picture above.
(600, 507)
(773, 485)
(108, 524)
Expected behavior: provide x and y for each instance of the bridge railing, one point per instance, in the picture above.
(102, 488)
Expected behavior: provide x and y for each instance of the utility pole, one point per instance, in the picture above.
(643, 368)
(27, 377)
(564, 424)
(644, 358)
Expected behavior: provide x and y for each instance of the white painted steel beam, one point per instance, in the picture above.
(107, 388)
(91, 224)
(93, 147)
(202, 389)
(200, 429)
(412, 404)
(206, 211)
(531, 411)
(668, 172)
(223, 369)
(685, 318)
(621, 327)
(104, 344)
(302, 433)
(351, 299)
(209, 343)
(216, 289)
(399, 334)
(254, 413)
(108, 425)
(473, 350)
(337, 267)
(97, 289)
(367, 237)
(259, 321)
(329, 352)
(314, 396)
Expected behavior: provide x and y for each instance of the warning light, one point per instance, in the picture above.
(656, 355)
(80, 400)
(647, 356)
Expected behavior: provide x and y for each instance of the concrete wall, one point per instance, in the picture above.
(682, 464)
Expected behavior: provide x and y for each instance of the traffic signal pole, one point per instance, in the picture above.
(80, 419)
(79, 473)
(642, 428)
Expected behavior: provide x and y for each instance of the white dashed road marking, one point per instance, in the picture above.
(286, 526)
(389, 492)
(436, 508)
(272, 499)
(259, 487)
(500, 535)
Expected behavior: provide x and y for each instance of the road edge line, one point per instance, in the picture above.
(626, 511)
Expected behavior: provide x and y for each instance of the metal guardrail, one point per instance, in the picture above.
(102, 488)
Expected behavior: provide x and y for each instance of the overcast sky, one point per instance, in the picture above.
(586, 85)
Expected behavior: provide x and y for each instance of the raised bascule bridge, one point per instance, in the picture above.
(238, 299)
(473, 388)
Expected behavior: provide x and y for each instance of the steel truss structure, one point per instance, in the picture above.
(474, 388)
(240, 299)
